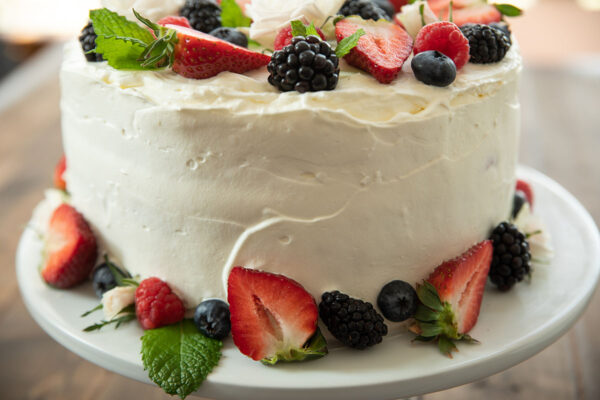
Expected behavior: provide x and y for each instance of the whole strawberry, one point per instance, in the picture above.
(156, 305)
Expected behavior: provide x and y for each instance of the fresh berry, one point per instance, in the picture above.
(156, 305)
(433, 68)
(478, 14)
(503, 26)
(59, 170)
(446, 38)
(307, 64)
(199, 55)
(398, 4)
(230, 35)
(104, 279)
(70, 247)
(284, 37)
(212, 319)
(366, 9)
(487, 44)
(519, 199)
(387, 7)
(527, 190)
(242, 3)
(451, 297)
(381, 51)
(511, 261)
(273, 318)
(203, 15)
(353, 322)
(87, 38)
(174, 20)
(397, 301)
(439, 6)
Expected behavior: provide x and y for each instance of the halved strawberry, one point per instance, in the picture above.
(70, 247)
(398, 4)
(59, 170)
(284, 37)
(273, 318)
(527, 191)
(381, 51)
(451, 297)
(174, 20)
(478, 14)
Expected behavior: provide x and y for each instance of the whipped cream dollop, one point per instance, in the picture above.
(269, 16)
(151, 9)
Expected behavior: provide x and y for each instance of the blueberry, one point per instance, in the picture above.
(397, 301)
(518, 200)
(433, 68)
(212, 318)
(230, 35)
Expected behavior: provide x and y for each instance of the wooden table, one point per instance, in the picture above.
(561, 138)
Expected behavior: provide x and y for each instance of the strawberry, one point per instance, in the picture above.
(70, 247)
(284, 37)
(273, 318)
(479, 14)
(174, 20)
(59, 170)
(451, 297)
(439, 6)
(398, 4)
(446, 38)
(527, 191)
(381, 51)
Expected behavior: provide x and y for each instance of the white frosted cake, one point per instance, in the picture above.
(347, 189)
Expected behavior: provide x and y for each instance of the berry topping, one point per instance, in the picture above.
(231, 35)
(284, 37)
(366, 9)
(106, 276)
(511, 262)
(519, 199)
(87, 38)
(203, 15)
(306, 64)
(174, 20)
(273, 318)
(156, 305)
(451, 297)
(477, 14)
(433, 68)
(212, 319)
(387, 7)
(381, 51)
(70, 247)
(446, 38)
(397, 301)
(503, 26)
(398, 4)
(487, 44)
(527, 190)
(59, 170)
(353, 322)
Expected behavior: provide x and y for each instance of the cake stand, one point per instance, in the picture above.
(543, 310)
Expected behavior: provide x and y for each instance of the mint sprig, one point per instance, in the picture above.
(300, 29)
(348, 43)
(178, 357)
(232, 15)
(125, 315)
(509, 10)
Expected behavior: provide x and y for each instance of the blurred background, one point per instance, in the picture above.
(560, 97)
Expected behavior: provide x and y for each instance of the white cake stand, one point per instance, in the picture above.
(542, 311)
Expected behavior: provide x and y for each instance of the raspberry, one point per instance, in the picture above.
(446, 38)
(156, 305)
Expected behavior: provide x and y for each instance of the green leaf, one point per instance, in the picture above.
(509, 10)
(178, 357)
(98, 307)
(110, 24)
(428, 295)
(424, 338)
(429, 329)
(426, 314)
(348, 43)
(446, 346)
(232, 15)
(338, 18)
(118, 321)
(311, 30)
(298, 28)
(315, 347)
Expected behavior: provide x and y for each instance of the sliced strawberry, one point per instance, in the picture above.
(381, 51)
(272, 317)
(284, 37)
(398, 4)
(59, 170)
(479, 14)
(451, 296)
(446, 38)
(527, 191)
(199, 55)
(71, 248)
(174, 20)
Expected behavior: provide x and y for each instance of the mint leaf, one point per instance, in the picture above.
(298, 28)
(509, 10)
(178, 357)
(348, 43)
(110, 24)
(311, 30)
(232, 15)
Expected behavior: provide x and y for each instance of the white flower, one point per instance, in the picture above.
(117, 299)
(269, 16)
(539, 238)
(151, 9)
(410, 16)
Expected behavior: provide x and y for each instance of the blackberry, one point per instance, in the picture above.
(487, 44)
(366, 9)
(503, 26)
(87, 38)
(353, 322)
(307, 64)
(387, 7)
(204, 15)
(511, 258)
(230, 35)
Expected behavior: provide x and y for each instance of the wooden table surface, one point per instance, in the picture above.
(560, 137)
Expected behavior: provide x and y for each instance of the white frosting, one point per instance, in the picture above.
(151, 9)
(348, 189)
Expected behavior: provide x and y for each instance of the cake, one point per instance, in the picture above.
(346, 189)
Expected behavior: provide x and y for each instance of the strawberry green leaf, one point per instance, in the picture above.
(509, 10)
(348, 43)
(232, 15)
(446, 346)
(298, 28)
(424, 338)
(429, 329)
(428, 295)
(315, 347)
(426, 314)
(178, 358)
